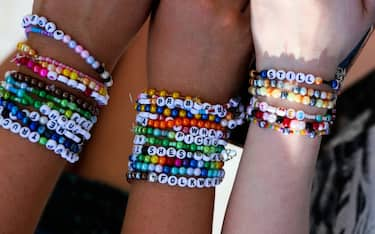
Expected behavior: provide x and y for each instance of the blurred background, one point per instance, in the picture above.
(12, 11)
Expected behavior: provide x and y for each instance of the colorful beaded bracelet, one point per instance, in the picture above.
(29, 21)
(55, 104)
(22, 89)
(56, 67)
(290, 113)
(52, 90)
(183, 182)
(181, 137)
(8, 113)
(177, 153)
(35, 137)
(47, 110)
(297, 77)
(287, 131)
(175, 162)
(176, 171)
(292, 97)
(102, 100)
(50, 120)
(194, 131)
(298, 90)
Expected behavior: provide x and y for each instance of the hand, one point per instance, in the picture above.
(200, 45)
(316, 34)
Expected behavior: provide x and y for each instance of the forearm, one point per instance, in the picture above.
(28, 171)
(276, 171)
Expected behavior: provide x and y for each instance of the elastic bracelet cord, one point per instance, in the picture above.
(51, 90)
(183, 182)
(40, 25)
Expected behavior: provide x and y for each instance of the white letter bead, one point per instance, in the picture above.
(52, 125)
(310, 79)
(192, 182)
(15, 128)
(300, 77)
(34, 137)
(182, 182)
(171, 152)
(172, 181)
(179, 103)
(200, 182)
(290, 76)
(34, 19)
(194, 131)
(51, 75)
(7, 123)
(72, 83)
(34, 116)
(50, 27)
(59, 149)
(160, 101)
(198, 140)
(60, 130)
(152, 177)
(188, 139)
(161, 151)
(271, 74)
(281, 74)
(26, 21)
(45, 110)
(12, 116)
(208, 183)
(62, 120)
(81, 87)
(42, 21)
(25, 132)
(170, 102)
(179, 136)
(188, 104)
(163, 178)
(54, 115)
(181, 154)
(137, 149)
(58, 35)
(51, 145)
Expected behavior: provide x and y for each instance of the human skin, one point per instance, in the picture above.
(28, 172)
(276, 181)
(202, 52)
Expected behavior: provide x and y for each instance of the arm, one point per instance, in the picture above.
(276, 171)
(198, 48)
(29, 172)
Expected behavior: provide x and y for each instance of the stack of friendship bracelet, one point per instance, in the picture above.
(42, 109)
(42, 26)
(180, 141)
(305, 89)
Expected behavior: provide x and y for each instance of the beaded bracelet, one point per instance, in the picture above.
(298, 77)
(186, 138)
(182, 182)
(287, 112)
(46, 110)
(194, 131)
(298, 90)
(52, 90)
(292, 97)
(21, 93)
(22, 89)
(8, 112)
(287, 131)
(178, 123)
(176, 171)
(56, 67)
(60, 126)
(172, 152)
(35, 137)
(51, 30)
(102, 100)
(176, 162)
